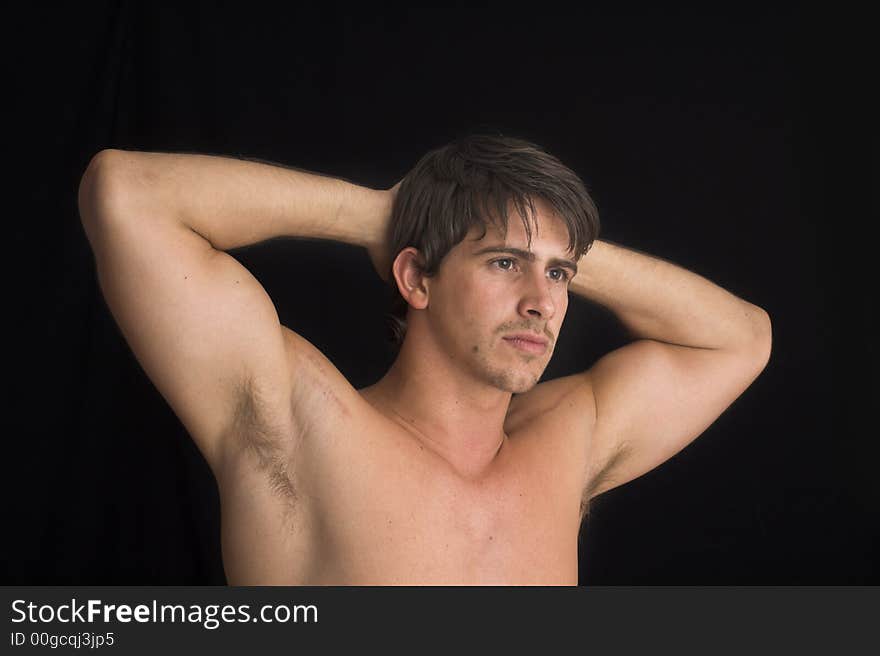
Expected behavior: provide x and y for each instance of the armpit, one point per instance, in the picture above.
(267, 441)
(604, 474)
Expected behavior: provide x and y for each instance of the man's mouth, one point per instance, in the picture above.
(527, 342)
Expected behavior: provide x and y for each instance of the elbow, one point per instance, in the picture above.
(755, 339)
(93, 191)
(763, 335)
(105, 189)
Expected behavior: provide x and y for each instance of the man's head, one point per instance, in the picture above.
(470, 275)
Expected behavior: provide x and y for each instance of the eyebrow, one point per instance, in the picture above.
(528, 255)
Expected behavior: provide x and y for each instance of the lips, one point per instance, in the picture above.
(527, 342)
(528, 337)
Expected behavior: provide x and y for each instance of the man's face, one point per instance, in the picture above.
(488, 291)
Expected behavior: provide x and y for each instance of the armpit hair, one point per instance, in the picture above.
(265, 440)
(601, 476)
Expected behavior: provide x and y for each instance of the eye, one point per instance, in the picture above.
(505, 263)
(561, 275)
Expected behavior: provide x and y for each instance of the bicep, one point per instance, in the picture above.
(652, 399)
(201, 326)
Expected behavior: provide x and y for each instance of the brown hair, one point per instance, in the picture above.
(455, 187)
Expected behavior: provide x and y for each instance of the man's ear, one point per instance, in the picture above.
(408, 272)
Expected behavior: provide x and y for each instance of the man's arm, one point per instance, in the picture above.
(201, 326)
(697, 348)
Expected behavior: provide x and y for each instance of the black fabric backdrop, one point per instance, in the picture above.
(708, 140)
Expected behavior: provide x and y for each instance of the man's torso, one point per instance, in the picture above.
(336, 493)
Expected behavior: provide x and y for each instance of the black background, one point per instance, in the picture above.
(730, 143)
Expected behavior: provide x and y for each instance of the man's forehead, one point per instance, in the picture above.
(549, 236)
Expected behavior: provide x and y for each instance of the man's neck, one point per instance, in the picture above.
(451, 413)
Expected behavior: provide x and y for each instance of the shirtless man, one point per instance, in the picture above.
(456, 467)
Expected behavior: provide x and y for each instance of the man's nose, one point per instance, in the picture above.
(537, 297)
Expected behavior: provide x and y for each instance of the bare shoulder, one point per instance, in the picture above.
(557, 416)
(562, 412)
(561, 402)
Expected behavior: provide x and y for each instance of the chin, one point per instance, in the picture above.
(516, 377)
(516, 382)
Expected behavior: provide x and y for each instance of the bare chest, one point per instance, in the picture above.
(375, 508)
(417, 525)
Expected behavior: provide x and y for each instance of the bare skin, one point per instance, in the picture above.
(456, 467)
(433, 475)
(372, 504)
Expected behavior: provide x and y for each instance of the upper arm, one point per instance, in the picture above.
(652, 399)
(201, 326)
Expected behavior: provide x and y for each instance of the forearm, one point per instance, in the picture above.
(233, 202)
(655, 299)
